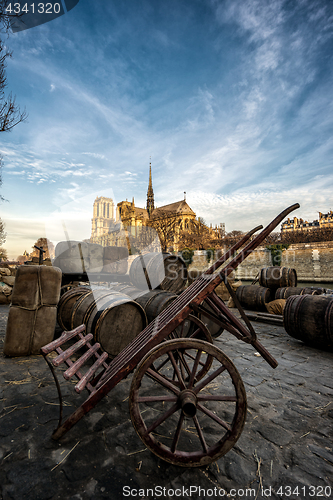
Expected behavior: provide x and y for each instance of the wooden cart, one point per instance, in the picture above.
(187, 400)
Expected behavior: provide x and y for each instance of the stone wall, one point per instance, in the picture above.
(246, 271)
(249, 269)
(313, 262)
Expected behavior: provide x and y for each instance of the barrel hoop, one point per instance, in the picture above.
(279, 292)
(298, 316)
(94, 304)
(291, 320)
(97, 319)
(89, 309)
(148, 301)
(328, 315)
(77, 305)
(64, 300)
(102, 312)
(288, 274)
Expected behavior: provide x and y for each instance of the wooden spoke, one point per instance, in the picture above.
(177, 372)
(194, 329)
(162, 418)
(194, 369)
(209, 379)
(214, 417)
(162, 380)
(177, 434)
(200, 434)
(158, 368)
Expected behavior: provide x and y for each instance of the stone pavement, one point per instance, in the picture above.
(285, 450)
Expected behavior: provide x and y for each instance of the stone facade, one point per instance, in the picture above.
(103, 217)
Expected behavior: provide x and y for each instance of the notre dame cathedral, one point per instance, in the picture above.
(106, 227)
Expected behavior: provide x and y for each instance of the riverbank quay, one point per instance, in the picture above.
(313, 262)
(285, 450)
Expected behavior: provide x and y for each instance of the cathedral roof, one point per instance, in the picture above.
(179, 207)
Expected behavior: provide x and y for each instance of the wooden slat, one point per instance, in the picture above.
(88, 376)
(77, 365)
(62, 339)
(71, 350)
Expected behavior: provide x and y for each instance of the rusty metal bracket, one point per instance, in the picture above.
(58, 389)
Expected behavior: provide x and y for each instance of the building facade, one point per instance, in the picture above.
(295, 224)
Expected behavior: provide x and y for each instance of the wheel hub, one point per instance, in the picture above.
(188, 403)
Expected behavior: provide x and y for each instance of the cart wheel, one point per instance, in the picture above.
(191, 328)
(189, 423)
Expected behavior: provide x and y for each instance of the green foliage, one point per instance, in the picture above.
(187, 255)
(276, 252)
(210, 252)
(3, 254)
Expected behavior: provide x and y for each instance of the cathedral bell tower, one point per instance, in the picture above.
(150, 195)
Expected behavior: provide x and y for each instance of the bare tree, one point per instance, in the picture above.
(3, 252)
(197, 235)
(307, 235)
(10, 113)
(167, 225)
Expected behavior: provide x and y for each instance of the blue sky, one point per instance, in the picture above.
(232, 100)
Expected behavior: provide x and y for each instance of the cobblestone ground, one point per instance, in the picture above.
(285, 450)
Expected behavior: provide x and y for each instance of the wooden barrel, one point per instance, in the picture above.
(254, 297)
(284, 293)
(277, 277)
(159, 270)
(310, 318)
(117, 323)
(84, 305)
(66, 303)
(154, 302)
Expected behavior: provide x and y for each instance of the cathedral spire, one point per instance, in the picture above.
(150, 194)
